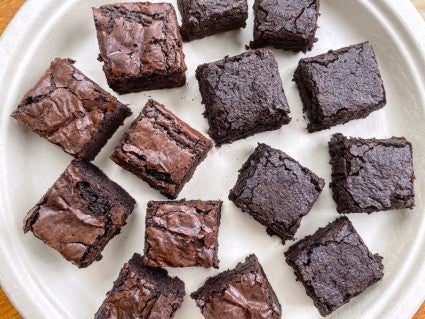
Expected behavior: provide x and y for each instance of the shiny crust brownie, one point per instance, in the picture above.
(71, 111)
(334, 265)
(243, 95)
(276, 190)
(142, 292)
(240, 293)
(285, 24)
(161, 149)
(182, 233)
(140, 45)
(371, 175)
(340, 86)
(80, 213)
(202, 18)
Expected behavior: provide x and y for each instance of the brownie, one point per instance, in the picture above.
(202, 18)
(370, 175)
(243, 95)
(70, 110)
(285, 24)
(334, 265)
(276, 190)
(340, 86)
(80, 213)
(161, 149)
(142, 292)
(140, 45)
(243, 292)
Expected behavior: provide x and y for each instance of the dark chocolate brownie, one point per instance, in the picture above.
(334, 265)
(340, 86)
(182, 233)
(142, 292)
(285, 24)
(202, 18)
(70, 110)
(276, 190)
(240, 293)
(371, 175)
(80, 213)
(161, 149)
(140, 45)
(243, 95)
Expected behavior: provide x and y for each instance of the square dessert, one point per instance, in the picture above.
(243, 95)
(80, 213)
(140, 45)
(182, 233)
(202, 18)
(240, 293)
(370, 175)
(71, 111)
(340, 86)
(276, 190)
(161, 149)
(285, 24)
(142, 292)
(334, 265)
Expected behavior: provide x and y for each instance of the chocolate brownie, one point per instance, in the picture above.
(71, 111)
(202, 18)
(276, 190)
(142, 292)
(370, 175)
(285, 24)
(243, 292)
(340, 86)
(80, 213)
(243, 95)
(140, 45)
(334, 265)
(182, 233)
(161, 149)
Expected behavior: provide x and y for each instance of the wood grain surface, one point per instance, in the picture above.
(8, 8)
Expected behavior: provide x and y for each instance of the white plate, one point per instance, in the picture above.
(43, 285)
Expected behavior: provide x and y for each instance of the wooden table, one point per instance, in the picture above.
(8, 8)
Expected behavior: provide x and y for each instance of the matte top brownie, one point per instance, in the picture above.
(71, 111)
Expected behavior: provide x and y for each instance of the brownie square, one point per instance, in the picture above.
(202, 18)
(334, 265)
(340, 86)
(140, 45)
(370, 175)
(142, 292)
(161, 149)
(71, 111)
(240, 293)
(285, 24)
(276, 190)
(80, 213)
(243, 95)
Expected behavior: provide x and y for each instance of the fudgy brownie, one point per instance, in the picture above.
(161, 149)
(243, 292)
(276, 190)
(243, 95)
(142, 292)
(140, 45)
(182, 233)
(340, 86)
(80, 213)
(334, 265)
(371, 175)
(202, 18)
(70, 110)
(285, 24)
